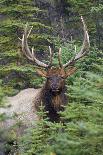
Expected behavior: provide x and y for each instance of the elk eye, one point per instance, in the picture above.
(62, 77)
(49, 78)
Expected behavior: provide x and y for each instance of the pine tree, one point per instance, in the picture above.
(80, 131)
(14, 69)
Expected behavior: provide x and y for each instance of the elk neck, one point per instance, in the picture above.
(53, 100)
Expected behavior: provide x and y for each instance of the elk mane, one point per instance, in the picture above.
(53, 103)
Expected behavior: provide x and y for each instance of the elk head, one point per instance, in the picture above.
(55, 76)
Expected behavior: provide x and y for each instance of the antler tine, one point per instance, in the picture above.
(29, 31)
(85, 47)
(51, 57)
(59, 58)
(25, 48)
(75, 47)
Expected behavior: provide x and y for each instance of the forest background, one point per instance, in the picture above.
(56, 23)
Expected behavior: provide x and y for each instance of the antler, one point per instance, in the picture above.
(59, 58)
(30, 53)
(84, 50)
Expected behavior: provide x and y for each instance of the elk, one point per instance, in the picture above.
(52, 94)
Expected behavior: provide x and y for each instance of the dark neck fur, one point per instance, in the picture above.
(53, 103)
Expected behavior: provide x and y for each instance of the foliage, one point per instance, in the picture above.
(13, 67)
(80, 131)
(1, 93)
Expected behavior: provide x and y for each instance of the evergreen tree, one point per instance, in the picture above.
(14, 69)
(80, 131)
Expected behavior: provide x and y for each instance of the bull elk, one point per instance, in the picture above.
(52, 94)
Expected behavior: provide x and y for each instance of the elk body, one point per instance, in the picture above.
(52, 94)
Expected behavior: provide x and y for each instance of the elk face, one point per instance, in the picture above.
(55, 84)
(56, 78)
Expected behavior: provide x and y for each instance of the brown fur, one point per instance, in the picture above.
(53, 93)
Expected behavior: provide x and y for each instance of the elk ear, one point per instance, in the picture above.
(42, 73)
(70, 71)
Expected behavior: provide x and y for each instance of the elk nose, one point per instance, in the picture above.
(54, 87)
